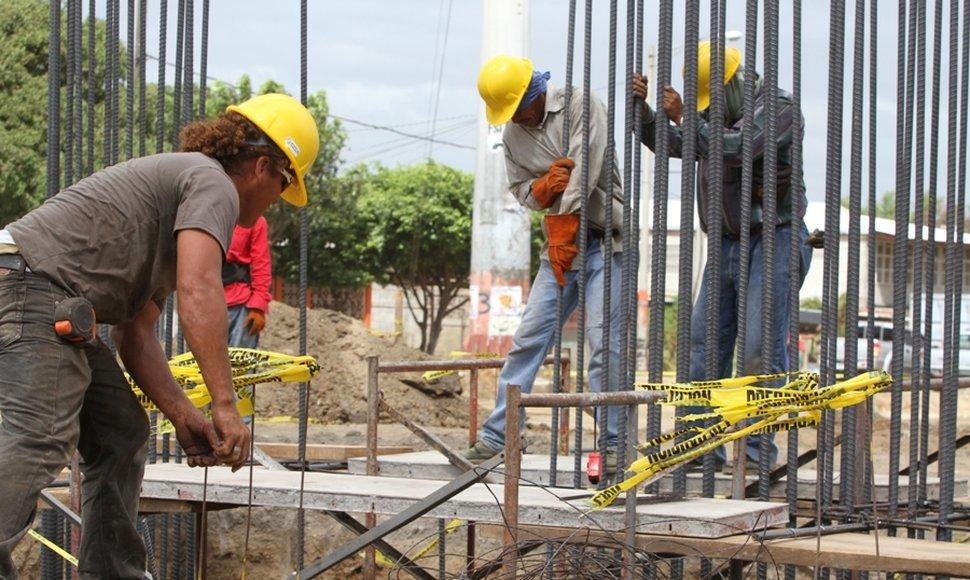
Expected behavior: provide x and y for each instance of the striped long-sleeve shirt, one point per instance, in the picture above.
(788, 115)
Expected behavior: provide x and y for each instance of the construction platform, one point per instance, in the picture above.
(535, 469)
(697, 518)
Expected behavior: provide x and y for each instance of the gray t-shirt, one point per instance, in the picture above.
(111, 237)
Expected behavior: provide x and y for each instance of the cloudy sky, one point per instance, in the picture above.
(376, 61)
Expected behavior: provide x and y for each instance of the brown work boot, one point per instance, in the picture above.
(479, 453)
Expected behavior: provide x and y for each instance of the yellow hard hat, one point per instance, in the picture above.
(732, 60)
(291, 127)
(502, 83)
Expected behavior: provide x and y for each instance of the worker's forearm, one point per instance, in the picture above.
(145, 362)
(202, 314)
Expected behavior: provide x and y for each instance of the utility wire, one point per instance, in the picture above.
(441, 75)
(352, 121)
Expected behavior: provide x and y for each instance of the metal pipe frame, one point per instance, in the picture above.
(515, 403)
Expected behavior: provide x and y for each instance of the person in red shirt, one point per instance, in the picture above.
(246, 277)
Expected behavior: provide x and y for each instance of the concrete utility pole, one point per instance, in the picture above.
(499, 281)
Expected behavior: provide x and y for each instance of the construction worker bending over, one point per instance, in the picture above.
(119, 242)
(729, 282)
(542, 179)
(246, 276)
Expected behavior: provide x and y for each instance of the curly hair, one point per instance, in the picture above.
(230, 139)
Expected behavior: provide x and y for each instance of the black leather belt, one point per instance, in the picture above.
(13, 262)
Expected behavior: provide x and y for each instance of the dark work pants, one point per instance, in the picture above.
(54, 398)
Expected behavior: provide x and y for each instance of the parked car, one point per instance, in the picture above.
(881, 344)
(936, 356)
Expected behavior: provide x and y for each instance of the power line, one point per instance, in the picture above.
(441, 76)
(390, 129)
(403, 133)
(413, 123)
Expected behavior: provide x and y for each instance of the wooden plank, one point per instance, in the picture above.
(385, 495)
(145, 505)
(849, 551)
(315, 452)
(319, 452)
(535, 468)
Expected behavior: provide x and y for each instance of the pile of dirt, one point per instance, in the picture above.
(341, 345)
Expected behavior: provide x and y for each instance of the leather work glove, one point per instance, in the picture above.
(554, 182)
(255, 321)
(561, 232)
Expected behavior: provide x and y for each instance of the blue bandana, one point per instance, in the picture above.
(537, 86)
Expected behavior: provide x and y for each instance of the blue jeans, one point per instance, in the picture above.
(728, 314)
(238, 333)
(56, 397)
(534, 338)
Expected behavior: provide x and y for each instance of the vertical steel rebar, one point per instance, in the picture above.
(48, 517)
(204, 59)
(688, 185)
(930, 253)
(715, 194)
(557, 336)
(768, 231)
(607, 247)
(70, 86)
(797, 186)
(867, 476)
(304, 260)
(915, 425)
(744, 235)
(130, 69)
(661, 165)
(142, 81)
(92, 65)
(188, 66)
(905, 69)
(847, 479)
(833, 182)
(583, 215)
(169, 318)
(177, 82)
(956, 177)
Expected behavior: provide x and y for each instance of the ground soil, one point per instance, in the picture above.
(341, 345)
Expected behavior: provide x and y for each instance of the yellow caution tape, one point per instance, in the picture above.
(386, 562)
(53, 547)
(431, 376)
(249, 367)
(741, 406)
(465, 354)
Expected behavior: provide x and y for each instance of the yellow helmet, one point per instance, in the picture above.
(291, 127)
(732, 60)
(502, 83)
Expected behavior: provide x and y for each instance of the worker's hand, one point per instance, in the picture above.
(255, 321)
(197, 437)
(233, 444)
(546, 188)
(561, 233)
(673, 105)
(640, 85)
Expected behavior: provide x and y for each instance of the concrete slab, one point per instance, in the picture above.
(704, 518)
(535, 468)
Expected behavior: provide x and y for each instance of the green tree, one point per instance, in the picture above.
(419, 238)
(23, 102)
(812, 303)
